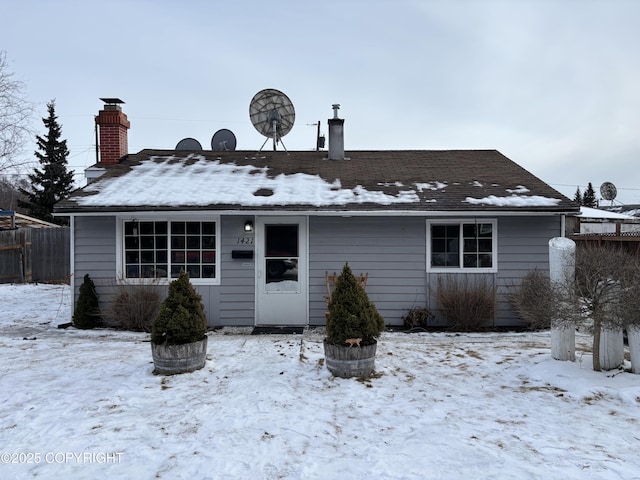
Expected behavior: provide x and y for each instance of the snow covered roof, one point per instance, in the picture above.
(633, 210)
(593, 213)
(404, 180)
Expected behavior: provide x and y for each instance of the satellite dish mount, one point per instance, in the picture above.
(273, 115)
(608, 191)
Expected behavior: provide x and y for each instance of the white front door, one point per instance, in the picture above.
(281, 271)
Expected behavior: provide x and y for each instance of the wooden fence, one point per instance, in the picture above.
(34, 255)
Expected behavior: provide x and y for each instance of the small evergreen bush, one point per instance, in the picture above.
(87, 312)
(351, 313)
(181, 318)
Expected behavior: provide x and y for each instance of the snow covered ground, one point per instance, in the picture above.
(85, 404)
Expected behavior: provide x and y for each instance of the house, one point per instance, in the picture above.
(257, 231)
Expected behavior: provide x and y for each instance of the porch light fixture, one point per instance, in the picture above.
(248, 226)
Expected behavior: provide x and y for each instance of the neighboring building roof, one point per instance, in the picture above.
(10, 220)
(633, 210)
(403, 181)
(596, 213)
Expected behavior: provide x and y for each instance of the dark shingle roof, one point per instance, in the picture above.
(406, 180)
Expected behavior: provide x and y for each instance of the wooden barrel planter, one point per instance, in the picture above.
(172, 359)
(348, 362)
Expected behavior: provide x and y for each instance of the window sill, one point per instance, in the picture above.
(462, 270)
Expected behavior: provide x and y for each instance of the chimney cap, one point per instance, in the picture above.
(112, 101)
(336, 107)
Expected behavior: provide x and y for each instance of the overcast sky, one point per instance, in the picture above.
(553, 85)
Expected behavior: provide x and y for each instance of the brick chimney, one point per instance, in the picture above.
(336, 135)
(113, 126)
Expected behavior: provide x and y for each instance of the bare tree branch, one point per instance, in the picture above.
(608, 281)
(16, 113)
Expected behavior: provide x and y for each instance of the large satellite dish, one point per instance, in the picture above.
(223, 140)
(608, 191)
(272, 114)
(188, 144)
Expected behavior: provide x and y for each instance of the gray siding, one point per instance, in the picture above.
(236, 294)
(391, 250)
(523, 245)
(95, 253)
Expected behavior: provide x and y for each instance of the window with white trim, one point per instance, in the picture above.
(462, 245)
(161, 249)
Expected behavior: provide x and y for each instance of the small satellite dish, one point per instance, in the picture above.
(608, 191)
(272, 114)
(223, 140)
(188, 144)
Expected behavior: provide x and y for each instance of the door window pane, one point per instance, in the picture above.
(281, 259)
(282, 240)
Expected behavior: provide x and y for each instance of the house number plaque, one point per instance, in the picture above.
(244, 241)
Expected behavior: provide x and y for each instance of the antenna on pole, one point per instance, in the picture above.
(319, 136)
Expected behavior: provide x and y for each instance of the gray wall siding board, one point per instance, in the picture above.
(394, 257)
(396, 261)
(523, 245)
(236, 298)
(392, 250)
(95, 254)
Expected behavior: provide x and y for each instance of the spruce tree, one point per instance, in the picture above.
(351, 313)
(578, 196)
(181, 318)
(589, 197)
(52, 182)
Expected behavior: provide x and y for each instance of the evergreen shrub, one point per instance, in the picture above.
(351, 313)
(181, 318)
(87, 312)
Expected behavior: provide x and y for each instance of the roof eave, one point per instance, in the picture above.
(310, 211)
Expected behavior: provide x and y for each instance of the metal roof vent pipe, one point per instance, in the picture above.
(336, 135)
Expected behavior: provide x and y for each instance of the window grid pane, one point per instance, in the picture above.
(445, 240)
(147, 253)
(145, 249)
(193, 249)
(464, 245)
